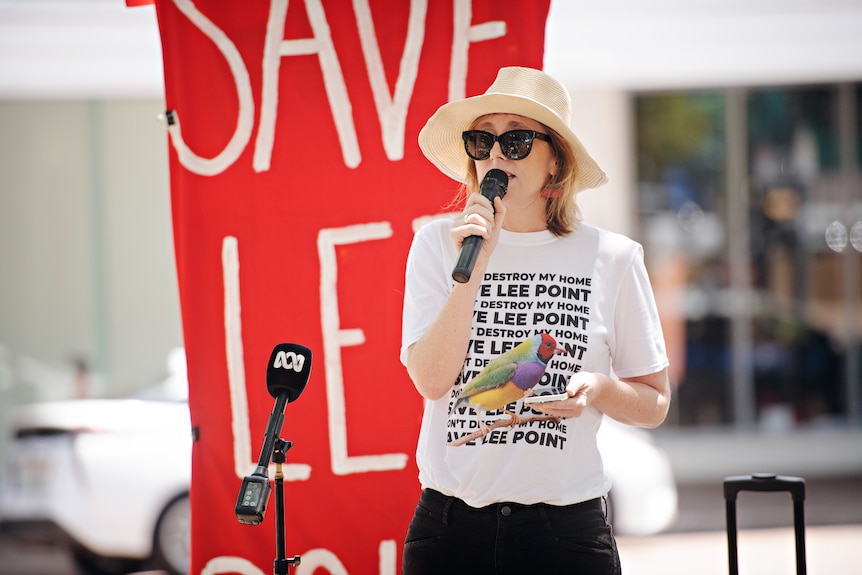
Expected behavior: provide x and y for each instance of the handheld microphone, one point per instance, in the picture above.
(494, 184)
(286, 376)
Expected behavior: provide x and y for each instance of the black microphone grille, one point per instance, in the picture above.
(288, 370)
(497, 175)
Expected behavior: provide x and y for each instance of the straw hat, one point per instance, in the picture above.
(522, 91)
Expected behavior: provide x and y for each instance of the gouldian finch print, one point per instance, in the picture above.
(511, 375)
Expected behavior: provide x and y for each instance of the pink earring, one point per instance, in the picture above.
(552, 193)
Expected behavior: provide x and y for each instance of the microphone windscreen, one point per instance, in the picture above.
(495, 181)
(288, 370)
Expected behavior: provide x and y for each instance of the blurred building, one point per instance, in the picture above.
(730, 130)
(88, 293)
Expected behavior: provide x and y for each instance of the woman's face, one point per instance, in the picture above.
(527, 176)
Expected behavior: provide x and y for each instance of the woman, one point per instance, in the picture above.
(520, 487)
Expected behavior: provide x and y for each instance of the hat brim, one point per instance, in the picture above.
(440, 138)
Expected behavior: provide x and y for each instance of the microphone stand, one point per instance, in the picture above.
(281, 565)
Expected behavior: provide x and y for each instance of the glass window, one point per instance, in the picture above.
(793, 318)
(682, 186)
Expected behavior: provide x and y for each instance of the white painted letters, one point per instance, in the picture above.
(245, 114)
(334, 338)
(465, 33)
(336, 90)
(242, 457)
(391, 108)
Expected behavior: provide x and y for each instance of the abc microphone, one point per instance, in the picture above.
(494, 184)
(286, 376)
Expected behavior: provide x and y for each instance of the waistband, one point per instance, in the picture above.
(434, 497)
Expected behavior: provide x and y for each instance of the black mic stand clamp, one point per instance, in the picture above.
(281, 565)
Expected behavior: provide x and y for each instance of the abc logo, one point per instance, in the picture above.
(289, 360)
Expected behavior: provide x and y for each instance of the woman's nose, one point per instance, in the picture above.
(497, 150)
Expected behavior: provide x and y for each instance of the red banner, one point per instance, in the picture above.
(296, 185)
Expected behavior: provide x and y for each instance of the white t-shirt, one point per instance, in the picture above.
(591, 292)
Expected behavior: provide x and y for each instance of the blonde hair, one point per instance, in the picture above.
(561, 213)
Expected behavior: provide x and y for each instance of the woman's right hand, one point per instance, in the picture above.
(479, 218)
(435, 361)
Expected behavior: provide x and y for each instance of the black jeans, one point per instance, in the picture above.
(448, 536)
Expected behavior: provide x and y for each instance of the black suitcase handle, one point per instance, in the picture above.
(765, 482)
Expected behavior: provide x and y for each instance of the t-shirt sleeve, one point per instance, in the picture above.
(427, 281)
(639, 347)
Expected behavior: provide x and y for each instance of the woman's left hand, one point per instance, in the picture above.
(583, 387)
(641, 401)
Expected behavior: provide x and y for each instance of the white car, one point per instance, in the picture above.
(112, 474)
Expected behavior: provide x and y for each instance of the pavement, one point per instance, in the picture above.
(830, 550)
(830, 461)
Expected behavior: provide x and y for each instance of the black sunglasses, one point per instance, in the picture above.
(515, 144)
